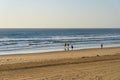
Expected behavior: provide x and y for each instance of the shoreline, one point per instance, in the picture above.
(49, 51)
(58, 51)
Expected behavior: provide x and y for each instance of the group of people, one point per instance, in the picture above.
(68, 46)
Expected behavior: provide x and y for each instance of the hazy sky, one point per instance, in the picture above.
(59, 13)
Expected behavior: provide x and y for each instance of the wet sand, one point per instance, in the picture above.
(85, 64)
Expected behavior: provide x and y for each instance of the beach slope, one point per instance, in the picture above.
(85, 64)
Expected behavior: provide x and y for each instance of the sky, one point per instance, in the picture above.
(59, 13)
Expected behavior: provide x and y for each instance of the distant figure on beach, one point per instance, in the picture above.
(72, 47)
(101, 45)
(65, 45)
(68, 46)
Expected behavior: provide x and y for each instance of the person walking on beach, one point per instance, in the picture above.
(101, 45)
(68, 46)
(72, 47)
(65, 45)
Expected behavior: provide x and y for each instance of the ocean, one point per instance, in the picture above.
(18, 41)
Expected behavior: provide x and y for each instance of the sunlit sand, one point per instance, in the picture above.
(85, 64)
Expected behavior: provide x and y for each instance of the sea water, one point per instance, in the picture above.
(13, 41)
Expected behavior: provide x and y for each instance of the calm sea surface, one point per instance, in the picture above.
(43, 40)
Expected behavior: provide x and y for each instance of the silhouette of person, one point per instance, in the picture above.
(72, 47)
(65, 45)
(101, 45)
(68, 46)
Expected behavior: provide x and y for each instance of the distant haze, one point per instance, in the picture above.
(59, 13)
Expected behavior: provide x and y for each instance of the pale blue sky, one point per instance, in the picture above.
(59, 13)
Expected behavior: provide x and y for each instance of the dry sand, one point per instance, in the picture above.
(85, 64)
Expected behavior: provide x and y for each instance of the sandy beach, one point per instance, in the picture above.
(84, 64)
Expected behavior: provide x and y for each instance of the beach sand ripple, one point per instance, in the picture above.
(105, 66)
